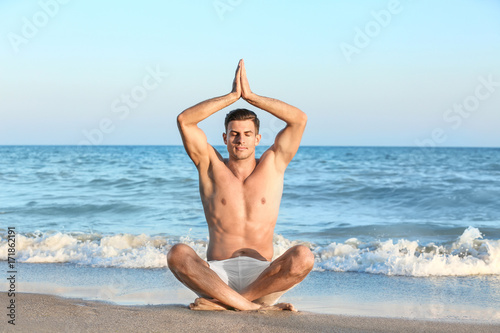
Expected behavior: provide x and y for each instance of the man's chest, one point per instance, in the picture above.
(255, 189)
(261, 189)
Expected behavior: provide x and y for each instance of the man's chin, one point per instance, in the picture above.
(242, 155)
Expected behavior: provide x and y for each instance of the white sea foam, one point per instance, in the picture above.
(123, 250)
(468, 255)
(128, 251)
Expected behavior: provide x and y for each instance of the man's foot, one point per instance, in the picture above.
(279, 307)
(203, 304)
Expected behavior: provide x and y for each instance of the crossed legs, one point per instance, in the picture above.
(283, 273)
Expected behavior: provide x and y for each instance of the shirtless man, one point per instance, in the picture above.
(241, 198)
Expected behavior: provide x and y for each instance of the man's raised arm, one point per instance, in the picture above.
(287, 141)
(193, 138)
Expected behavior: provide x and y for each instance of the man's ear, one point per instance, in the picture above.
(257, 139)
(224, 137)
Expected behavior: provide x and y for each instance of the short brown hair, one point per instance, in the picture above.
(242, 114)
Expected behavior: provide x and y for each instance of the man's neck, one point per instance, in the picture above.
(242, 168)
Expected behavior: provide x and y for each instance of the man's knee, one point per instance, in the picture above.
(302, 260)
(178, 255)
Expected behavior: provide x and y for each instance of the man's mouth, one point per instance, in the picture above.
(241, 148)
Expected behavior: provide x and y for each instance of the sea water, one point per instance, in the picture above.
(412, 232)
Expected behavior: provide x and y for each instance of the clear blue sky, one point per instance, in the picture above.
(390, 73)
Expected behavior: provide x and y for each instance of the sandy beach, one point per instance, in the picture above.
(46, 313)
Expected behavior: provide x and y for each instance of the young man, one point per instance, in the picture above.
(241, 198)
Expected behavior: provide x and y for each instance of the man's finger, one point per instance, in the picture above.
(243, 66)
(237, 69)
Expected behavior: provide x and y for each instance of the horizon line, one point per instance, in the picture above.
(180, 145)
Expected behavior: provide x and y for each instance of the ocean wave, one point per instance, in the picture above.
(470, 254)
(123, 250)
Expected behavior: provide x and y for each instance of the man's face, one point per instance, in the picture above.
(241, 139)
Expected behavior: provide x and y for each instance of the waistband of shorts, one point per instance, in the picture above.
(240, 258)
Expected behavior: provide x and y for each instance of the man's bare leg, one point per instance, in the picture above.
(208, 305)
(196, 274)
(283, 273)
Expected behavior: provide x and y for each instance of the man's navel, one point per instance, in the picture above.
(263, 200)
(223, 201)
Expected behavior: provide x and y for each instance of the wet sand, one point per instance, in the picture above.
(46, 313)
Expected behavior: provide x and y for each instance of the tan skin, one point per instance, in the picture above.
(241, 198)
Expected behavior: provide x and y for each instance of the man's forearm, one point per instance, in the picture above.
(200, 111)
(286, 112)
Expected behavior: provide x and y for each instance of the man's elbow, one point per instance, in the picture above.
(184, 123)
(302, 119)
(181, 120)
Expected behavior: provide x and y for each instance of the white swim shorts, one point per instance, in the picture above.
(240, 272)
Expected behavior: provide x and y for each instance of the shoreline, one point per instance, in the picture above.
(44, 313)
(466, 300)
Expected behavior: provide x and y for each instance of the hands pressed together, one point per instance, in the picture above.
(241, 88)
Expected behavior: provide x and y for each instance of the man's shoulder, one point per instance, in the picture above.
(267, 161)
(268, 155)
(217, 155)
(211, 158)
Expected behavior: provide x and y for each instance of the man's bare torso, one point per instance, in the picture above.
(241, 198)
(241, 213)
